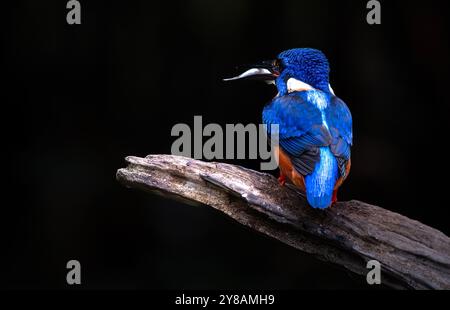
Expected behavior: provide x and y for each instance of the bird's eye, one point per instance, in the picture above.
(278, 66)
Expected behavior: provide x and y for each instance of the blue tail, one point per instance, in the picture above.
(320, 184)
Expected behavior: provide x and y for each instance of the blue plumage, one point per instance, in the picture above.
(304, 64)
(301, 130)
(314, 136)
(315, 127)
(320, 183)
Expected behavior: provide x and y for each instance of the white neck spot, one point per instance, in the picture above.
(296, 85)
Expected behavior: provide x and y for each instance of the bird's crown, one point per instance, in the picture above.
(307, 65)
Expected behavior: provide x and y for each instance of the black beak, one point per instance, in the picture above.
(264, 71)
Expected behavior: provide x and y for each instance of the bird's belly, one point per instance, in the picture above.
(288, 170)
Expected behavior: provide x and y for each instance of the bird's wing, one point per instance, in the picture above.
(301, 131)
(339, 120)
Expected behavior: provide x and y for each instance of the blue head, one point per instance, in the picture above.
(305, 65)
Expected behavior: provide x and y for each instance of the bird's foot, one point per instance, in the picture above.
(282, 179)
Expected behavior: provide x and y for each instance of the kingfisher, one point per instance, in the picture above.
(315, 126)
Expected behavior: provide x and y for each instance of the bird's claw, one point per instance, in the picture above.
(282, 180)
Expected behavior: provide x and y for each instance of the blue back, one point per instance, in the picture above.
(316, 133)
(315, 126)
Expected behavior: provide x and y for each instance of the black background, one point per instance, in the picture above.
(78, 99)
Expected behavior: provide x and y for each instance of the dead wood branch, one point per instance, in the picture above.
(349, 234)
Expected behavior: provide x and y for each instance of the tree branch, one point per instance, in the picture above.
(349, 234)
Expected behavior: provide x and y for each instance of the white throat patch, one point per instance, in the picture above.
(296, 85)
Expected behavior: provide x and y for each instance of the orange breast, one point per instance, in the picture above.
(287, 169)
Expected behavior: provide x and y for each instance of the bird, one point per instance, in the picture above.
(314, 125)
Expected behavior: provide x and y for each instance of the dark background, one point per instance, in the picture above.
(78, 99)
